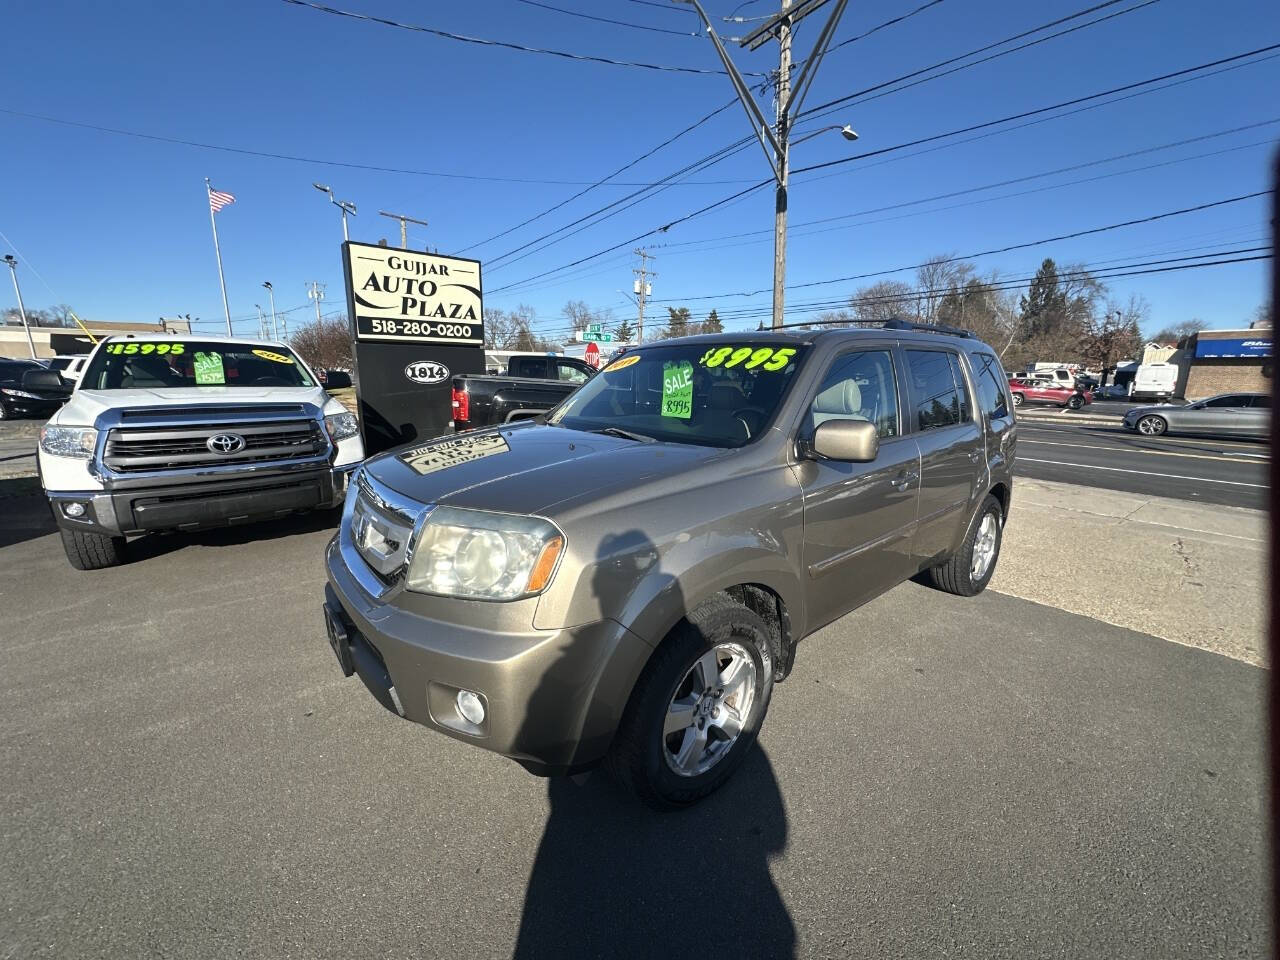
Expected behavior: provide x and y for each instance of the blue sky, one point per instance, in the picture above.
(118, 226)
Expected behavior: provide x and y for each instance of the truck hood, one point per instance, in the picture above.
(529, 469)
(85, 406)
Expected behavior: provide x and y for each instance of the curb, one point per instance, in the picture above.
(1069, 418)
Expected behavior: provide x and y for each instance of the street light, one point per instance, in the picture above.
(846, 131)
(275, 333)
(346, 206)
(13, 268)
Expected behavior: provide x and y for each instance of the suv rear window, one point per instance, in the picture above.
(937, 402)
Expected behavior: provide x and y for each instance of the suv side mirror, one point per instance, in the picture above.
(45, 381)
(854, 441)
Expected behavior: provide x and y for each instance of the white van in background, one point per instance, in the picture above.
(1155, 381)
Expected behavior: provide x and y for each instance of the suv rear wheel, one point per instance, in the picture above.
(969, 570)
(697, 707)
(92, 551)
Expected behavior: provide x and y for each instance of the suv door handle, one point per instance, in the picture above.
(904, 479)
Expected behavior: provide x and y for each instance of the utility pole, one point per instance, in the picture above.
(275, 332)
(316, 293)
(404, 219)
(262, 323)
(642, 288)
(22, 310)
(775, 138)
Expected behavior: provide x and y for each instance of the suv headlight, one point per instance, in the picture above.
(78, 442)
(486, 556)
(341, 426)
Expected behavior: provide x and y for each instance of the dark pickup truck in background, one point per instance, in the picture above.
(531, 385)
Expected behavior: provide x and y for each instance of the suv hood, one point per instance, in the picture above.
(85, 406)
(529, 469)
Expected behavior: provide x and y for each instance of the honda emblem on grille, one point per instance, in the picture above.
(225, 443)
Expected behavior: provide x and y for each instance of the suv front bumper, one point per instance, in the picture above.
(552, 698)
(193, 506)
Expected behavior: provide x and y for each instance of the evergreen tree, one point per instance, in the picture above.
(677, 323)
(1043, 309)
(713, 324)
(624, 332)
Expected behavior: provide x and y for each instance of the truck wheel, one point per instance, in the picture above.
(969, 570)
(697, 707)
(92, 551)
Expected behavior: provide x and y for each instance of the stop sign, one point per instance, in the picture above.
(593, 355)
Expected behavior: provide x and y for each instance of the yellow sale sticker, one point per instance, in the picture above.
(765, 358)
(273, 357)
(623, 363)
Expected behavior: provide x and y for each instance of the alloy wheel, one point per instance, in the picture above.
(709, 709)
(984, 547)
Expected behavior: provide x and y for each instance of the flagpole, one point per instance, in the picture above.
(208, 189)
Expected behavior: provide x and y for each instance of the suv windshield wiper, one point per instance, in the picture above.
(626, 434)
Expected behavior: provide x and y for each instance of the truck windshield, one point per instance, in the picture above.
(158, 364)
(720, 395)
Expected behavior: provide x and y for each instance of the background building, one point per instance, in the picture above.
(1227, 361)
(52, 341)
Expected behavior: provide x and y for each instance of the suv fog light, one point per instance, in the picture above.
(470, 707)
(73, 509)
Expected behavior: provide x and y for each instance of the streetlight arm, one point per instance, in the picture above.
(763, 130)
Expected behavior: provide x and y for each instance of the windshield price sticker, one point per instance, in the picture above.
(751, 358)
(272, 356)
(677, 390)
(176, 349)
(623, 363)
(209, 370)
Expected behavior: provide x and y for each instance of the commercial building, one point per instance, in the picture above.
(1226, 361)
(53, 341)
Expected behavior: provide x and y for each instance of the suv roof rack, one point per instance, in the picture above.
(897, 323)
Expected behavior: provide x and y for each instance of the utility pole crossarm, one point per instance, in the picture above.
(763, 129)
(810, 68)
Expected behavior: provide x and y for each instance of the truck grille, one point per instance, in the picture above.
(135, 449)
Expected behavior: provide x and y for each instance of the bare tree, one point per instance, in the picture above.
(1261, 316)
(937, 277)
(1174, 332)
(579, 315)
(883, 301)
(325, 343)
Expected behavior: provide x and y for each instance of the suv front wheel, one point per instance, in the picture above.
(969, 570)
(697, 707)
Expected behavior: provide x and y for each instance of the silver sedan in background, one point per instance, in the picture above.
(1226, 415)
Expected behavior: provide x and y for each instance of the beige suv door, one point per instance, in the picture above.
(858, 517)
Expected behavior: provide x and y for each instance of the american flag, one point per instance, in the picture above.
(218, 200)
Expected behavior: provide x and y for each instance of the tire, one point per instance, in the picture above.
(1075, 403)
(647, 757)
(92, 551)
(1155, 425)
(4, 413)
(959, 574)
(1018, 399)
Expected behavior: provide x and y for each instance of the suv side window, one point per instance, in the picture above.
(991, 399)
(570, 372)
(936, 399)
(859, 386)
(962, 388)
(528, 367)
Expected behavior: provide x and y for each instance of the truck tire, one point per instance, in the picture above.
(970, 568)
(92, 551)
(696, 710)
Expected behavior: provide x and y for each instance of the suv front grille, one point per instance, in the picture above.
(381, 536)
(134, 449)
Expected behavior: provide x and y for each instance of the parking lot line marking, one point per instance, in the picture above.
(1156, 453)
(1145, 473)
(1241, 445)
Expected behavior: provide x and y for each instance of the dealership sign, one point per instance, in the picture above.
(408, 296)
(1233, 347)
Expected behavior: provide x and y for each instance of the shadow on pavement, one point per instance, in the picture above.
(615, 879)
(159, 544)
(24, 512)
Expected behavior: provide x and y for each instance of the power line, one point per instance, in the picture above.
(621, 23)
(902, 146)
(739, 145)
(447, 35)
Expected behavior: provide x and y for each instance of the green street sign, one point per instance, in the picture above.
(597, 336)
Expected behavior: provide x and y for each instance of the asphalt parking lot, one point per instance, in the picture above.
(187, 774)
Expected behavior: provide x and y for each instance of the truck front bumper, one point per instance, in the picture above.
(194, 506)
(551, 699)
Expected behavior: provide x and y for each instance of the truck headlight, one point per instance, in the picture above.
(77, 442)
(485, 556)
(341, 426)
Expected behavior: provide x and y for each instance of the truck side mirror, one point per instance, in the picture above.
(853, 441)
(46, 382)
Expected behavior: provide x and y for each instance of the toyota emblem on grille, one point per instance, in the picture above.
(225, 443)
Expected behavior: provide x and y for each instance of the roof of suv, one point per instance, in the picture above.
(796, 336)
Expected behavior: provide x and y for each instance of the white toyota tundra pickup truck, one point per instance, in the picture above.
(182, 432)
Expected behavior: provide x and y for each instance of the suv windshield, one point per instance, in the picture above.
(717, 395)
(157, 364)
